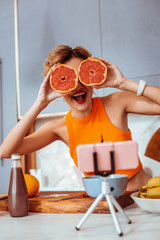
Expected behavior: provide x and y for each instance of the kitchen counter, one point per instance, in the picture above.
(60, 226)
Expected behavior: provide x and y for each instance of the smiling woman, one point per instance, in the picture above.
(89, 118)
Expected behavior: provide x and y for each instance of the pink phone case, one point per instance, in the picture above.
(125, 155)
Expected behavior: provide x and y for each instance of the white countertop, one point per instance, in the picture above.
(48, 226)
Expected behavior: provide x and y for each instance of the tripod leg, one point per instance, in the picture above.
(90, 210)
(116, 204)
(113, 213)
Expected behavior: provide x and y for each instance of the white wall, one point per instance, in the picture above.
(1, 117)
(8, 104)
(125, 32)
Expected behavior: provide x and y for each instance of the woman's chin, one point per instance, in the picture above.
(82, 106)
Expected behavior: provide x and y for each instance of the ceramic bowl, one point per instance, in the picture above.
(147, 204)
(118, 182)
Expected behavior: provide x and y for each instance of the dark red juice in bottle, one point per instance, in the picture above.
(17, 193)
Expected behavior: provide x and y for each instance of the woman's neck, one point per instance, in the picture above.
(79, 114)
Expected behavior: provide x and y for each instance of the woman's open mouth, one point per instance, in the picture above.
(79, 96)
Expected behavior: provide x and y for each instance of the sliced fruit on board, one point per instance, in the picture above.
(92, 72)
(63, 78)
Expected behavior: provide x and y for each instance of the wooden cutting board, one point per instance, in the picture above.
(66, 202)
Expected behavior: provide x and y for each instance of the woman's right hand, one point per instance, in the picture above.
(46, 93)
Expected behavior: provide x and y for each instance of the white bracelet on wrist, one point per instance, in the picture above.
(141, 87)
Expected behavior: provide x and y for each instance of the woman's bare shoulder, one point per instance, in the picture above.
(111, 97)
(116, 103)
(117, 98)
(58, 127)
(55, 124)
(115, 107)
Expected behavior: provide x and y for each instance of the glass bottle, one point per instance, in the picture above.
(17, 193)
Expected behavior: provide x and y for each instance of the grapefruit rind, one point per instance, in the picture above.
(92, 83)
(66, 87)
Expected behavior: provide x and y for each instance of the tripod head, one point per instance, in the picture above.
(104, 173)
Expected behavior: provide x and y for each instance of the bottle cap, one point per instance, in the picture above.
(15, 156)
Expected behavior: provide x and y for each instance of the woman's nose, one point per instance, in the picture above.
(79, 84)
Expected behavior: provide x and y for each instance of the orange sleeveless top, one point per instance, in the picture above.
(90, 129)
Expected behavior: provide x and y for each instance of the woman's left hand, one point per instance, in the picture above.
(114, 76)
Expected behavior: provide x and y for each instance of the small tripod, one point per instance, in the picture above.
(105, 193)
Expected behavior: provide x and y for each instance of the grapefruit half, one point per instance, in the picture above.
(92, 72)
(63, 78)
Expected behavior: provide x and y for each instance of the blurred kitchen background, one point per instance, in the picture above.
(125, 32)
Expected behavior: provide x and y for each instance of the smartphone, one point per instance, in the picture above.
(125, 155)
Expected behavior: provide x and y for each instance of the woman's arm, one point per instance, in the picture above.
(148, 103)
(16, 142)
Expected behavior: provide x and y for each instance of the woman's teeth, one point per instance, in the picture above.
(79, 96)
